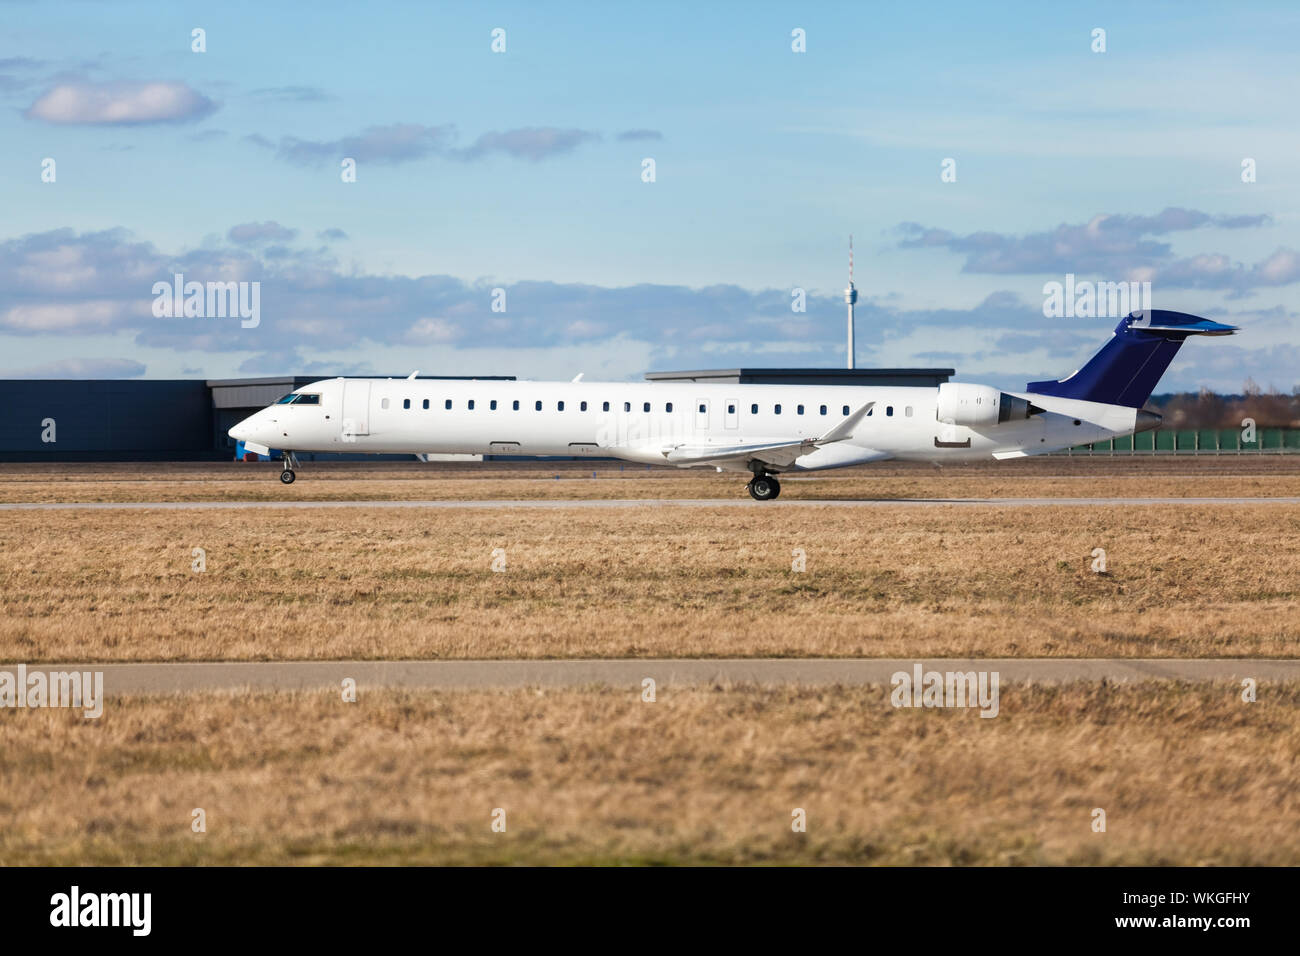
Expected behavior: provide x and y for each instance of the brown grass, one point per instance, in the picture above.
(1206, 581)
(1187, 774)
(1100, 476)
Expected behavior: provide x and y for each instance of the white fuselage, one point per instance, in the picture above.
(642, 422)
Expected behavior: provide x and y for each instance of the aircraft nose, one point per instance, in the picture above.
(242, 431)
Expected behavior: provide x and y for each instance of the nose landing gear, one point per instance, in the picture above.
(290, 463)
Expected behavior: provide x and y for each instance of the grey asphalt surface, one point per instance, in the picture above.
(738, 502)
(154, 678)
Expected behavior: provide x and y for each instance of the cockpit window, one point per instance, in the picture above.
(299, 398)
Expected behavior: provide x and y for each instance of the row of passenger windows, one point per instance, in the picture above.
(645, 407)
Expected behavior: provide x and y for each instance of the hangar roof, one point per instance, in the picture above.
(809, 376)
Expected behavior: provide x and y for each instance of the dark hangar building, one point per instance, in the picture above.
(140, 419)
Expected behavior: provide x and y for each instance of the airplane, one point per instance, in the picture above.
(765, 430)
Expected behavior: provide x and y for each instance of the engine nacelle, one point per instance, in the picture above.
(979, 405)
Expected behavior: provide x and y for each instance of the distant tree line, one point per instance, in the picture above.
(1206, 409)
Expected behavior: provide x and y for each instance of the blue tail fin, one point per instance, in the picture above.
(1128, 367)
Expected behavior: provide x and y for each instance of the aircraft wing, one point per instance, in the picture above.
(780, 454)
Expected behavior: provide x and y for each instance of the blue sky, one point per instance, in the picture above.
(522, 170)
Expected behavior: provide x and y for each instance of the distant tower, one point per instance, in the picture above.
(850, 297)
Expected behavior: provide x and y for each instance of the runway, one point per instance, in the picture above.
(745, 502)
(158, 678)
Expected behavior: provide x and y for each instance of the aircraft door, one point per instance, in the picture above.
(356, 409)
(732, 418)
(701, 414)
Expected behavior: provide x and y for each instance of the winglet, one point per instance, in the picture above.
(844, 429)
(578, 377)
(413, 374)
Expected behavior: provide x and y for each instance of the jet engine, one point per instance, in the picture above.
(980, 406)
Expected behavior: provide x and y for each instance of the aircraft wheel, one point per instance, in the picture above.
(764, 488)
(287, 476)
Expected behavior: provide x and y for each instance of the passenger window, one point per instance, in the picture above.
(582, 406)
(426, 403)
(605, 407)
(731, 409)
(645, 407)
(753, 409)
(516, 404)
(383, 403)
(559, 406)
(492, 405)
(447, 404)
(889, 410)
(907, 412)
(777, 409)
(799, 409)
(823, 409)
(406, 403)
(703, 409)
(471, 404)
(668, 406)
(627, 406)
(846, 410)
(537, 406)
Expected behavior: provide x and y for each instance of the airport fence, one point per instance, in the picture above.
(1196, 441)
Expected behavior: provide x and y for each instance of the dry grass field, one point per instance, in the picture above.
(978, 581)
(1187, 774)
(1099, 476)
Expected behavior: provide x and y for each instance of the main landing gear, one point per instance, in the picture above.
(763, 487)
(290, 463)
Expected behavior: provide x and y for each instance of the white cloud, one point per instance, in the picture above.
(433, 330)
(80, 368)
(55, 316)
(120, 104)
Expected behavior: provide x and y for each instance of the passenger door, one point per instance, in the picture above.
(702, 414)
(356, 409)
